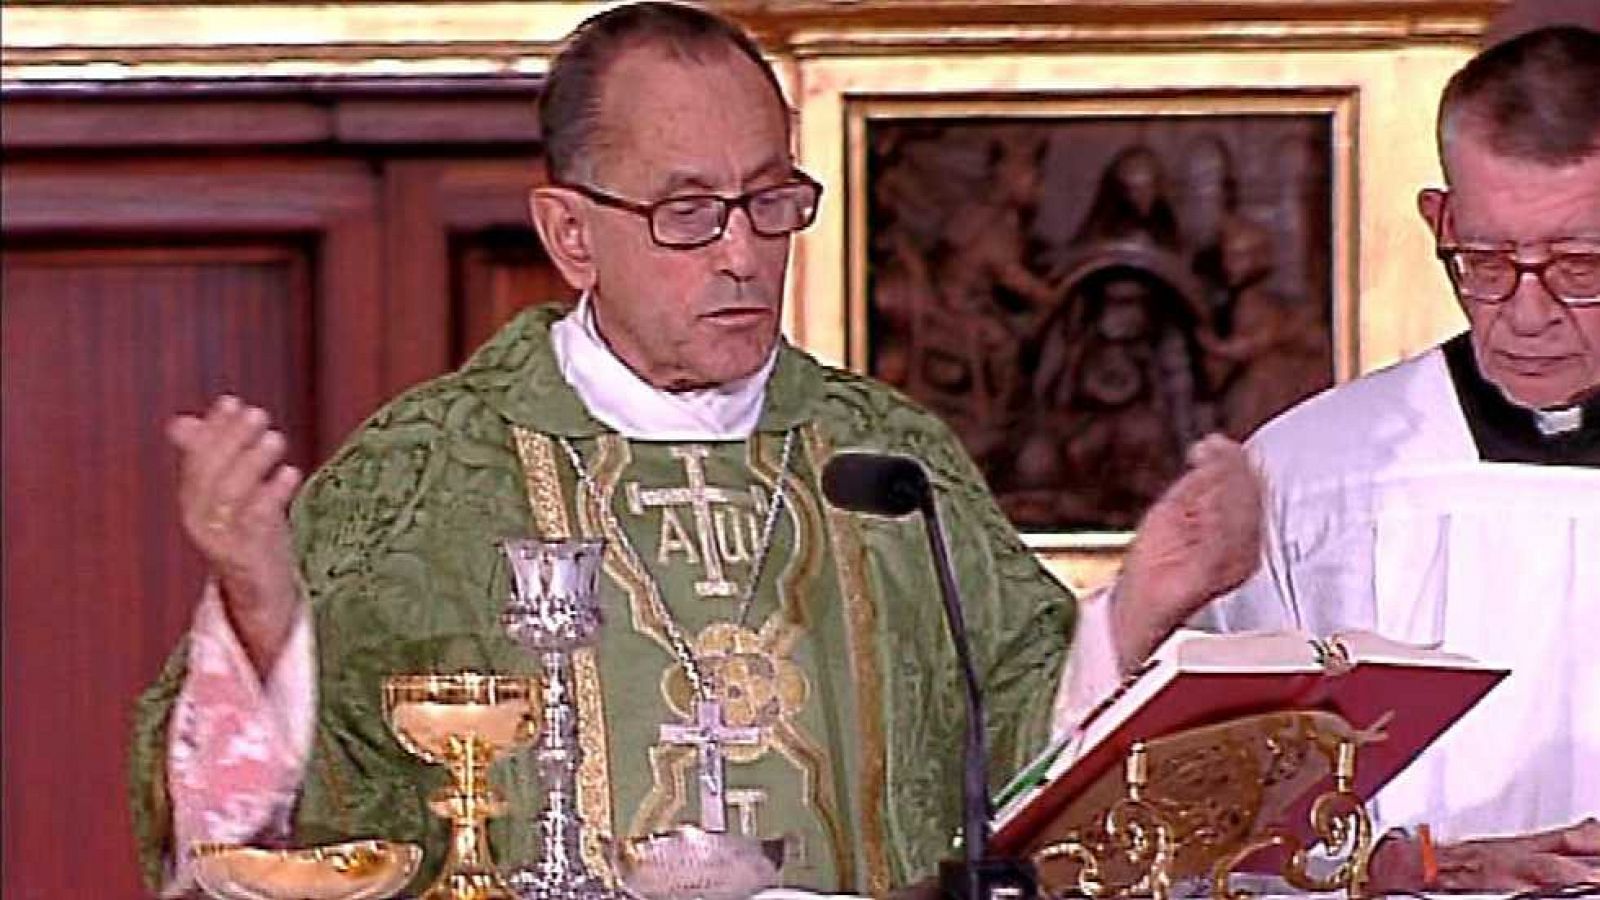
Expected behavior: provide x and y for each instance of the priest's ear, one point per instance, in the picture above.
(1431, 203)
(560, 217)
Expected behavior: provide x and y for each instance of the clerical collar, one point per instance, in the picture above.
(618, 397)
(1506, 432)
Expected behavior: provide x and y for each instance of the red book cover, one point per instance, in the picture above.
(1198, 679)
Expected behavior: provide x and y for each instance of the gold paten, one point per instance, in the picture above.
(357, 870)
(465, 722)
(1201, 802)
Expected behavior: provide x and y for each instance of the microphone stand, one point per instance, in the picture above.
(977, 876)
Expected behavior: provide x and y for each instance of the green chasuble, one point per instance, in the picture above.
(843, 663)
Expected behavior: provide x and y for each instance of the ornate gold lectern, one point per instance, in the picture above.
(1207, 801)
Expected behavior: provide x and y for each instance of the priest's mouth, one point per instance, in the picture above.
(738, 315)
(1532, 365)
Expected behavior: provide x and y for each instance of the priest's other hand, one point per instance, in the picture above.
(1547, 859)
(233, 499)
(1200, 539)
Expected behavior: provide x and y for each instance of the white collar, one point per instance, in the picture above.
(638, 410)
(1561, 420)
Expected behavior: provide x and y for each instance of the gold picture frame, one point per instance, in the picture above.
(1339, 105)
(1377, 70)
(1086, 559)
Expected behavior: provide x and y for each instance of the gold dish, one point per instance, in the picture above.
(357, 870)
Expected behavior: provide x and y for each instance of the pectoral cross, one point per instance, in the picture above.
(708, 734)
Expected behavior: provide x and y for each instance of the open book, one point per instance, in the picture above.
(1413, 693)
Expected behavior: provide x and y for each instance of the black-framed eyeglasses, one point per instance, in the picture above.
(1485, 274)
(688, 221)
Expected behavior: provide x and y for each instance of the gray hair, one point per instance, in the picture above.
(1534, 98)
(569, 107)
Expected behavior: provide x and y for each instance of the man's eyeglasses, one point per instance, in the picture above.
(687, 221)
(1491, 274)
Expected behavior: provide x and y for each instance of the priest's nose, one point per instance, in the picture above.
(736, 249)
(1532, 309)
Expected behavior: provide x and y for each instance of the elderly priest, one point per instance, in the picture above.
(667, 414)
(1454, 498)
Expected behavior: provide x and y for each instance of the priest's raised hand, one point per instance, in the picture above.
(1200, 539)
(233, 496)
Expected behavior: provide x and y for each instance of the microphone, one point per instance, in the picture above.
(888, 485)
(875, 483)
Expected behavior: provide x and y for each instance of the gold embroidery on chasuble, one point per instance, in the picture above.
(543, 485)
(753, 669)
(725, 524)
(746, 805)
(866, 671)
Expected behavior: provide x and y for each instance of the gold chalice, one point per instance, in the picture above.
(463, 721)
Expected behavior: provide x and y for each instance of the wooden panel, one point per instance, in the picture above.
(334, 203)
(136, 194)
(420, 120)
(351, 310)
(55, 116)
(458, 228)
(499, 273)
(52, 125)
(100, 347)
(417, 329)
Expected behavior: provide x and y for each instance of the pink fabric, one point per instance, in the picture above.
(237, 748)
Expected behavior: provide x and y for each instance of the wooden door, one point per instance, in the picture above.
(313, 248)
(101, 345)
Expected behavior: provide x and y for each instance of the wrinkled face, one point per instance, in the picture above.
(685, 319)
(1540, 352)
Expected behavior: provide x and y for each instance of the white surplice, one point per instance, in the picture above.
(1381, 516)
